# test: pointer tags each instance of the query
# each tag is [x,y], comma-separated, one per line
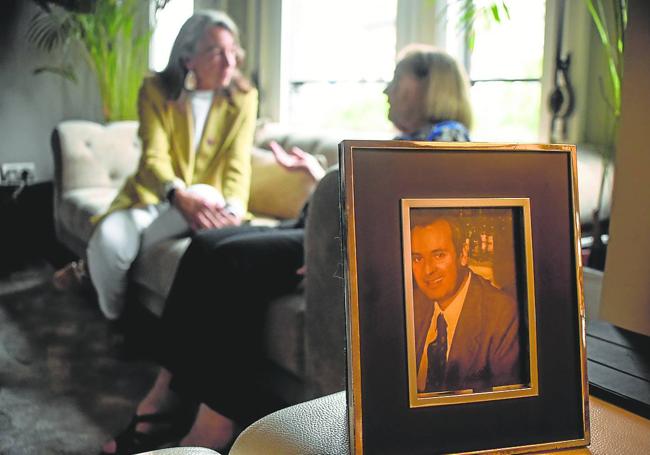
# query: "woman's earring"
[190,81]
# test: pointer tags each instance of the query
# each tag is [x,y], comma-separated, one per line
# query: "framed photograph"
[468,263]
[464,303]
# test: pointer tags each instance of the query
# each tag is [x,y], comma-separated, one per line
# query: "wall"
[31,105]
[260,23]
[211,4]
[626,288]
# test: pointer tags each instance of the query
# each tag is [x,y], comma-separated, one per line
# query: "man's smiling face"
[435,261]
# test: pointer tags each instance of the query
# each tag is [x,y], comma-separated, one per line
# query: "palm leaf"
[506,10]
[48,31]
[468,11]
[611,38]
[113,47]
[67,72]
[495,12]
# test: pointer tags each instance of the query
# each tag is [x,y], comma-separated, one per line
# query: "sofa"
[305,330]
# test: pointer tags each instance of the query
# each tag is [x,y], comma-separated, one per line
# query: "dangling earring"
[190,81]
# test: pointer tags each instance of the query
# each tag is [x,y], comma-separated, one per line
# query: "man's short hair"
[424,217]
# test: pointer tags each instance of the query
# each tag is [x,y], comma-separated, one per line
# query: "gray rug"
[65,385]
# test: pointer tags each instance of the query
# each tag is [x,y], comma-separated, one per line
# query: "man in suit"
[467,330]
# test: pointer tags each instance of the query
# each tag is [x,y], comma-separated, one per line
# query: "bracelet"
[170,195]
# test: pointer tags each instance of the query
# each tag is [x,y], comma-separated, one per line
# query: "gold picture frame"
[380,181]
[484,243]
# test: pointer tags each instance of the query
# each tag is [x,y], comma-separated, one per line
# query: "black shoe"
[167,430]
[72,277]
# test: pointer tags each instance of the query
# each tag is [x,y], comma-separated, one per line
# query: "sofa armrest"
[325,305]
[314,427]
[91,161]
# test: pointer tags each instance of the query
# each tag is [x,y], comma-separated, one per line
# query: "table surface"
[614,431]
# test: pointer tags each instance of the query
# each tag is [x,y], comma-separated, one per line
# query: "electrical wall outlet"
[17,173]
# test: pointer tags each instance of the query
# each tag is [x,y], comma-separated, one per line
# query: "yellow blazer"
[166,130]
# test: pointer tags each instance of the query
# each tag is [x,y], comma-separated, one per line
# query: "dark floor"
[66,383]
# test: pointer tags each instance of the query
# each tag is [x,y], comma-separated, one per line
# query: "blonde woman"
[429,96]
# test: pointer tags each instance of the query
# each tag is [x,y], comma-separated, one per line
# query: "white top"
[201,100]
[451,315]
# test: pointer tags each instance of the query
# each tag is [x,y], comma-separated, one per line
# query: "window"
[168,21]
[505,67]
[338,55]
[337,58]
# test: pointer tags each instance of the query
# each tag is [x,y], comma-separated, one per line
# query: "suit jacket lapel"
[465,343]
[423,312]
[183,127]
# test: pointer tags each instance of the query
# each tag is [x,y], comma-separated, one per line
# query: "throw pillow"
[275,191]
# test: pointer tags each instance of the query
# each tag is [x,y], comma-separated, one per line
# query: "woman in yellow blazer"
[197,120]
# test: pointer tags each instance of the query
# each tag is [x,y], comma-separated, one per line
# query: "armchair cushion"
[275,191]
[78,206]
[284,334]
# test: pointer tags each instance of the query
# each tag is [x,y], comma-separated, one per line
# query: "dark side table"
[618,361]
[27,228]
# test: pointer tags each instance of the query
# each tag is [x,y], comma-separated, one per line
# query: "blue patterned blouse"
[446,131]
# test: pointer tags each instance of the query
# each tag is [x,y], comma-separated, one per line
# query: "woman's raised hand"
[297,160]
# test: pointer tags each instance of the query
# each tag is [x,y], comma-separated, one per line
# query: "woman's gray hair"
[185,46]
[447,92]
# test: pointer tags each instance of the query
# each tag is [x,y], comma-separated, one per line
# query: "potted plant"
[610,20]
[113,42]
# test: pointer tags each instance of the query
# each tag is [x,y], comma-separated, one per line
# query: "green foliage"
[471,11]
[113,45]
[609,18]
[610,22]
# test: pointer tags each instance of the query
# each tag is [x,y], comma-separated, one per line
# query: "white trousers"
[119,238]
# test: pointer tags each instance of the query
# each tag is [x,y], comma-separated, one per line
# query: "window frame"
[416,21]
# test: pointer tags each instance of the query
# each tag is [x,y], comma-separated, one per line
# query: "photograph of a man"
[466,329]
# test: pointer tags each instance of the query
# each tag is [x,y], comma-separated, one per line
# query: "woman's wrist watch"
[170,190]
[170,195]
